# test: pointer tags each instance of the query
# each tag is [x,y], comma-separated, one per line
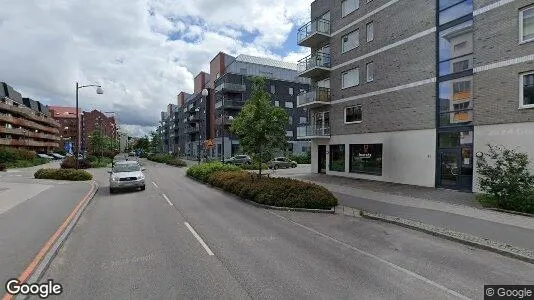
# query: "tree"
[98,141]
[156,142]
[260,126]
[143,144]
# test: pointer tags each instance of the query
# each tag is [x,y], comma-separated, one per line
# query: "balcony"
[27,123]
[231,87]
[317,97]
[313,132]
[226,121]
[314,33]
[28,113]
[229,104]
[316,66]
[26,133]
[27,143]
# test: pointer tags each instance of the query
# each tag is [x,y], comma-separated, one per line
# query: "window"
[370,31]
[303,120]
[370,71]
[289,104]
[290,120]
[291,91]
[366,158]
[353,114]
[527,90]
[452,10]
[289,133]
[526,27]
[337,158]
[460,46]
[276,103]
[350,41]
[350,78]
[348,6]
[460,66]
[273,89]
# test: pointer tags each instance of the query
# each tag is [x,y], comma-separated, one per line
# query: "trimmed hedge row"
[161,158]
[280,192]
[70,163]
[63,174]
[301,159]
[177,162]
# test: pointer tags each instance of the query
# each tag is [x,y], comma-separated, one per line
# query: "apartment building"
[96,120]
[196,119]
[26,123]
[68,128]
[412,91]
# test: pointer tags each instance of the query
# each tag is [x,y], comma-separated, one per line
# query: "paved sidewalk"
[444,208]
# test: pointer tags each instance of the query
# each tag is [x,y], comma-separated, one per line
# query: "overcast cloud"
[143,52]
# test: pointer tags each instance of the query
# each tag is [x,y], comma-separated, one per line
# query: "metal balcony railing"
[318,94]
[315,60]
[230,103]
[318,26]
[224,120]
[28,113]
[310,131]
[27,123]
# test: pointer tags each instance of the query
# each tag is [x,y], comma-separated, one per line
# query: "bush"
[255,166]
[202,171]
[70,163]
[177,162]
[301,159]
[505,178]
[63,174]
[27,163]
[101,162]
[161,158]
[3,167]
[280,192]
[10,155]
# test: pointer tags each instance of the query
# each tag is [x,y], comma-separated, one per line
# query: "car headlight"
[141,177]
[115,178]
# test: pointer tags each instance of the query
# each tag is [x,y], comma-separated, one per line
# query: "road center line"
[199,239]
[167,198]
[390,264]
[155,184]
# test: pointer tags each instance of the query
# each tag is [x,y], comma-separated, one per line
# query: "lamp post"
[205,94]
[99,91]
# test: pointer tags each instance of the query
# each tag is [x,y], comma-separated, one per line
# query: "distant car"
[282,162]
[239,160]
[126,175]
[57,156]
[131,153]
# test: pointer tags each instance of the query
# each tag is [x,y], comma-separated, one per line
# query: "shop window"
[366,158]
[337,158]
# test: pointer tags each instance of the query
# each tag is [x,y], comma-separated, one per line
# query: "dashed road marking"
[155,184]
[199,239]
[167,198]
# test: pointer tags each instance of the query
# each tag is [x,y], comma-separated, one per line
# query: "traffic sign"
[210,144]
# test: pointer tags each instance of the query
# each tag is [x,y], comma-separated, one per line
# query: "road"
[180,239]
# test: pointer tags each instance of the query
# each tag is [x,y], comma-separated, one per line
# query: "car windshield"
[126,168]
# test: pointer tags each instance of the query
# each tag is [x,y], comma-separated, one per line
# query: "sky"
[142,52]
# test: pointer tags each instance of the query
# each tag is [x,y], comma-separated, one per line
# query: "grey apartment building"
[413,91]
[196,118]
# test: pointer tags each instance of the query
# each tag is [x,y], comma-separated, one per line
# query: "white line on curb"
[199,239]
[168,201]
[392,265]
[155,184]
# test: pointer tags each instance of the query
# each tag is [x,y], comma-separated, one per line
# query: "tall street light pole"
[99,91]
[205,94]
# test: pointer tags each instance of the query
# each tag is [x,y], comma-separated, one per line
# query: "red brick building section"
[97,120]
[66,117]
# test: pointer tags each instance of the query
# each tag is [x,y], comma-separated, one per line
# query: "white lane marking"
[167,198]
[394,266]
[199,239]
[155,184]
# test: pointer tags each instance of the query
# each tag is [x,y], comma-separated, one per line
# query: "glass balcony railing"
[229,103]
[319,26]
[318,95]
[316,60]
[311,131]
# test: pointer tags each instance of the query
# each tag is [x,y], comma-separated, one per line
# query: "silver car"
[126,175]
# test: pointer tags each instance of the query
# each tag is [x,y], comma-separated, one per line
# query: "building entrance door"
[321,159]
[456,169]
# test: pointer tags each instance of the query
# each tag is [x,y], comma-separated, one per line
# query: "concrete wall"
[518,136]
[408,156]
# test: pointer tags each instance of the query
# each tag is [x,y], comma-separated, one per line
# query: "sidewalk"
[444,208]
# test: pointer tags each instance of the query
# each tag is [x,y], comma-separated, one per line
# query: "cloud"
[143,52]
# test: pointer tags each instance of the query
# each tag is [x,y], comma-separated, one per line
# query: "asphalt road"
[148,245]
[30,213]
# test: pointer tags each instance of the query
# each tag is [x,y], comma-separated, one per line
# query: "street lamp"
[205,94]
[99,91]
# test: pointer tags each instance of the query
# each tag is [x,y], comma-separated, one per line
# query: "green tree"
[156,142]
[260,126]
[98,142]
[143,144]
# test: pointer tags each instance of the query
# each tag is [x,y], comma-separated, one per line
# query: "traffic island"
[275,193]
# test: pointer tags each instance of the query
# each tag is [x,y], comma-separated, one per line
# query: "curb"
[52,252]
[308,210]
[510,212]
[463,238]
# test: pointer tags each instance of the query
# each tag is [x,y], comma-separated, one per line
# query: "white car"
[126,175]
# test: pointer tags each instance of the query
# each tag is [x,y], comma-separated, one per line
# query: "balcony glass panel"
[312,27]
[316,95]
[315,60]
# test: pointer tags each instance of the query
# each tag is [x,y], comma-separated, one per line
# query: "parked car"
[239,160]
[282,162]
[131,153]
[57,156]
[126,175]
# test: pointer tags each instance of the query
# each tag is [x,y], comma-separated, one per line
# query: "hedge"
[254,166]
[301,159]
[161,158]
[177,162]
[63,174]
[3,167]
[280,192]
[70,163]
[19,158]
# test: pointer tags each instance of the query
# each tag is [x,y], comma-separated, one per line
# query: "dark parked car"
[282,162]
[239,160]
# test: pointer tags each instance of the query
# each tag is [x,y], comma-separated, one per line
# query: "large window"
[350,78]
[456,49]
[451,10]
[527,90]
[366,158]
[455,102]
[350,41]
[337,158]
[348,6]
[526,27]
[370,31]
[353,114]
